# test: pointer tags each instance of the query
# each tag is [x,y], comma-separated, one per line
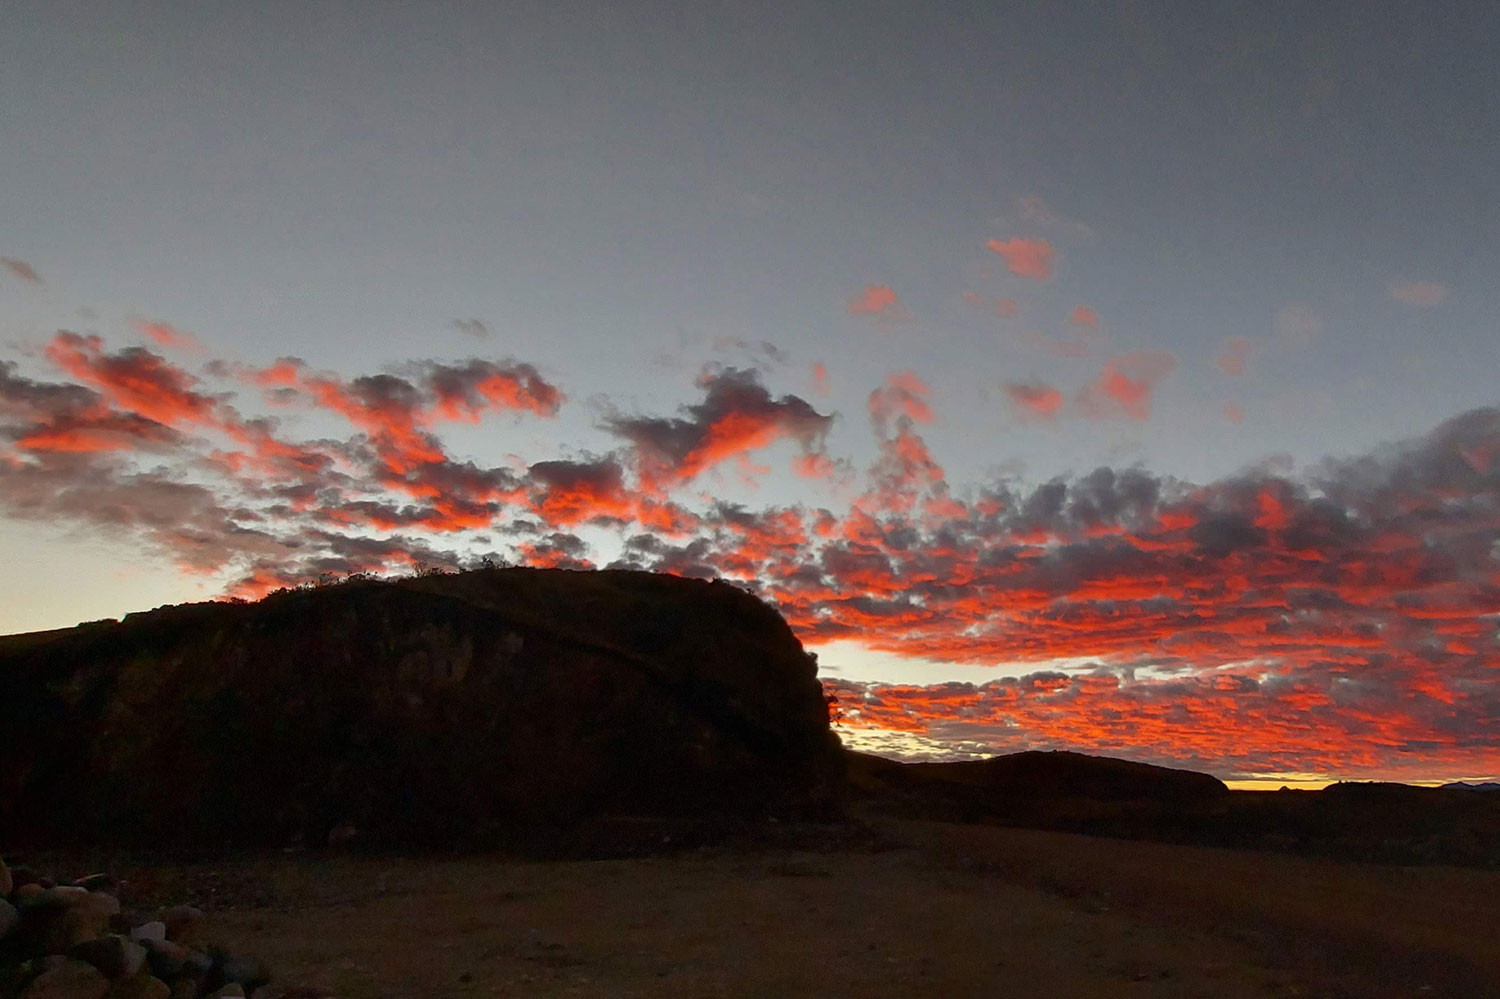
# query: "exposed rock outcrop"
[443,709]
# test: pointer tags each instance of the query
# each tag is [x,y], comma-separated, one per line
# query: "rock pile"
[76,941]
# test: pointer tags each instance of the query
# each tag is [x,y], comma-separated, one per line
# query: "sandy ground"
[950,911]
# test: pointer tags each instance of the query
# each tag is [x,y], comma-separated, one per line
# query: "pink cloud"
[1005,308]
[1124,387]
[820,378]
[1231,360]
[167,336]
[21,269]
[879,300]
[903,394]
[1234,412]
[1034,400]
[1421,293]
[1028,258]
[1084,316]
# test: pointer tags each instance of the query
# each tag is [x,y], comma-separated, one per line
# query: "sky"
[1110,377]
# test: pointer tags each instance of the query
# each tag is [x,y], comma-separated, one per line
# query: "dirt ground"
[940,911]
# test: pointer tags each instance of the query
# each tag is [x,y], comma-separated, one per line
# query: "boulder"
[113,955]
[140,987]
[71,979]
[154,930]
[7,883]
[165,958]
[468,708]
[10,918]
[183,924]
[97,882]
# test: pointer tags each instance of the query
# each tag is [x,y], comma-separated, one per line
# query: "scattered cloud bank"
[1027,258]
[1340,620]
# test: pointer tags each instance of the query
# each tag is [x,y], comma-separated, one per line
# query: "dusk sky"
[1107,377]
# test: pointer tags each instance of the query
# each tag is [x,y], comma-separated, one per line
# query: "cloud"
[902,395]
[1028,258]
[134,379]
[1005,308]
[1036,211]
[1124,388]
[167,336]
[467,390]
[1231,359]
[1084,316]
[472,327]
[1234,412]
[21,269]
[736,417]
[1297,325]
[820,378]
[879,301]
[1421,293]
[1034,400]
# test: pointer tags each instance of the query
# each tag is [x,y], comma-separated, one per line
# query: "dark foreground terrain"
[901,909]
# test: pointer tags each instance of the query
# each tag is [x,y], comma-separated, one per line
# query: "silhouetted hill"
[1374,821]
[456,708]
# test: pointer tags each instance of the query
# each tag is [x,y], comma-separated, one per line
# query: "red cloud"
[879,300]
[820,378]
[134,379]
[1232,359]
[903,395]
[1124,387]
[1028,258]
[737,416]
[21,269]
[167,336]
[1084,316]
[1034,400]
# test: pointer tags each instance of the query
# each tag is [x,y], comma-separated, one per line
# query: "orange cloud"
[902,395]
[1034,400]
[1028,258]
[1005,308]
[1084,316]
[1234,412]
[820,378]
[1124,387]
[880,301]
[167,336]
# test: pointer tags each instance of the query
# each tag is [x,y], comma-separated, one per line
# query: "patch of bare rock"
[76,941]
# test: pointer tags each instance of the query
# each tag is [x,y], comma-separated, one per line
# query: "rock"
[22,875]
[185,988]
[70,891]
[113,955]
[232,989]
[140,987]
[65,919]
[7,883]
[10,918]
[30,890]
[184,923]
[197,964]
[72,979]
[165,958]
[660,696]
[96,882]
[154,930]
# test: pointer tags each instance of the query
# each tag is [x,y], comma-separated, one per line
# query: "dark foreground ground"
[914,909]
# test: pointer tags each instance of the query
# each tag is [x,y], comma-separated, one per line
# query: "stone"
[96,882]
[22,875]
[185,988]
[10,918]
[140,987]
[30,890]
[197,964]
[70,980]
[7,883]
[113,955]
[184,924]
[165,958]
[154,930]
[70,918]
[232,989]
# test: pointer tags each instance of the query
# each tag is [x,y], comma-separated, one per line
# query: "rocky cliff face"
[444,709]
